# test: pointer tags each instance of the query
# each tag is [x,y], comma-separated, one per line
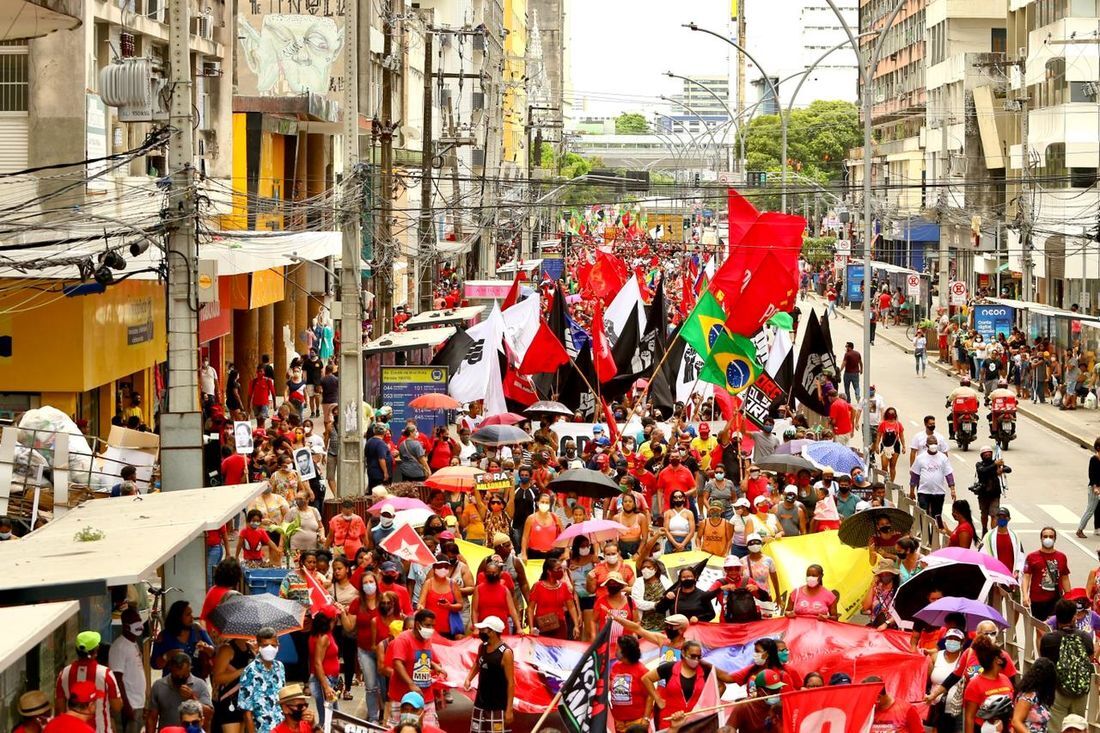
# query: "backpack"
[1073,670]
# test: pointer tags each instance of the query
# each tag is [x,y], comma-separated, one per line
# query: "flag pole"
[645,392]
[546,713]
[588,384]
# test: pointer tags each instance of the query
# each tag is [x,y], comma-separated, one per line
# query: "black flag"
[815,359]
[452,352]
[551,383]
[574,392]
[584,704]
[627,361]
[662,392]
[654,340]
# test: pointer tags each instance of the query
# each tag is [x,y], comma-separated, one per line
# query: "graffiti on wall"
[291,54]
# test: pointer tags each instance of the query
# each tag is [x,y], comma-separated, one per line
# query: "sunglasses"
[887,528]
[693,656]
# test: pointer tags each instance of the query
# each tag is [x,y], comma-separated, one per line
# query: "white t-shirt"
[933,470]
[919,443]
[125,659]
[874,409]
[208,380]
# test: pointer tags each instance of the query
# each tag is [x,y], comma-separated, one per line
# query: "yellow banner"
[847,570]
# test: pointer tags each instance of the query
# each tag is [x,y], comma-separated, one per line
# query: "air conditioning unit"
[203,27]
[211,68]
[479,100]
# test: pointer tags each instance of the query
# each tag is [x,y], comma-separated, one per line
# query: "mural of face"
[298,48]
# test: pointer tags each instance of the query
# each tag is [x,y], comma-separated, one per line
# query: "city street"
[1049,473]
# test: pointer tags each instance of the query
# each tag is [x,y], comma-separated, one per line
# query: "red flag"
[821,708]
[612,426]
[771,287]
[601,347]
[545,354]
[406,544]
[639,275]
[724,400]
[605,278]
[318,598]
[687,293]
[519,388]
[513,293]
[753,236]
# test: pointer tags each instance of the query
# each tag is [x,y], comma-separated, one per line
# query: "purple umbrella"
[974,611]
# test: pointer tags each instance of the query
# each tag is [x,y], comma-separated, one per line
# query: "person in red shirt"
[549,600]
[234,467]
[297,717]
[85,668]
[252,540]
[672,478]
[493,598]
[34,709]
[227,577]
[630,701]
[81,711]
[992,681]
[261,395]
[390,584]
[840,417]
[894,716]
[755,484]
[442,450]
[347,531]
[413,662]
[1046,576]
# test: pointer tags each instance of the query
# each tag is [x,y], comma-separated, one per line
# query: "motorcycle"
[964,419]
[1002,420]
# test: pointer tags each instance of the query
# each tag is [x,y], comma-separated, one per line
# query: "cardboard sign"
[495,481]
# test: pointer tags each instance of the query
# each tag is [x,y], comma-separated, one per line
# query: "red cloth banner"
[824,709]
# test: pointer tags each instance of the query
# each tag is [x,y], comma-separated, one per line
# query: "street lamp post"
[691,142]
[867,81]
[706,128]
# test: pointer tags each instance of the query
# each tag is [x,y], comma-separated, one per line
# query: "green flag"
[732,363]
[705,323]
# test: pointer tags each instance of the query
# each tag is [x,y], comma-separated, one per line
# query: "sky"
[619,50]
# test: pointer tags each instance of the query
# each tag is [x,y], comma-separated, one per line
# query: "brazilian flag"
[732,363]
[705,324]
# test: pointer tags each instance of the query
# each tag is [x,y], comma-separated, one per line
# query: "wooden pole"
[645,393]
[546,713]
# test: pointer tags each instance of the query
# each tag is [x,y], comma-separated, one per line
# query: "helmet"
[964,382]
[996,707]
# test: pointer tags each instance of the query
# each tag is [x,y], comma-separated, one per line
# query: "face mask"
[611,559]
[494,577]
[193,728]
[525,479]
[484,636]
[672,633]
[812,581]
[691,663]
[768,428]
[386,522]
[763,507]
[677,502]
[1048,542]
[719,475]
[772,700]
[544,507]
[784,655]
[585,551]
[674,460]
[789,498]
[758,659]
[426,634]
[933,449]
[296,714]
[268,653]
[388,578]
[137,628]
[614,590]
[442,572]
[1002,522]
[179,682]
[688,583]
[370,588]
[385,609]
[755,547]
[254,525]
[952,645]
[754,474]
[648,573]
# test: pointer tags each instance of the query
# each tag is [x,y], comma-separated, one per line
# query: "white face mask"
[370,588]
[386,522]
[812,581]
[442,572]
[611,559]
[1048,542]
[755,547]
[933,449]
[426,634]
[691,663]
[543,506]
[585,551]
[648,573]
[137,628]
[758,658]
[268,653]
[719,475]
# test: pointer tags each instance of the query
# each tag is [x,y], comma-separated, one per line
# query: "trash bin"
[264,580]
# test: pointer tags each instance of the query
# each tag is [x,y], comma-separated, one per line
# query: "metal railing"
[1021,636]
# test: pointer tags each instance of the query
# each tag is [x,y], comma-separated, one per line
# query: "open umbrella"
[793,447]
[495,435]
[786,464]
[435,401]
[548,407]
[974,611]
[998,572]
[415,517]
[827,454]
[504,418]
[857,530]
[960,580]
[598,530]
[240,617]
[586,482]
[399,503]
[453,478]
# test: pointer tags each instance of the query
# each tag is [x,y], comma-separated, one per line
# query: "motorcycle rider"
[964,390]
[1002,390]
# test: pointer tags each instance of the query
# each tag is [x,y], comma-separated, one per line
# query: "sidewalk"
[1080,426]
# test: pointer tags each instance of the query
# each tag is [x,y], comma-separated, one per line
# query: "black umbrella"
[243,616]
[785,463]
[495,435]
[857,530]
[959,580]
[548,407]
[586,482]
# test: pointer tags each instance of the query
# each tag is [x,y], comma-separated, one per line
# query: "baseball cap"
[500,538]
[839,678]
[985,449]
[450,520]
[413,698]
[597,429]
[955,634]
[677,619]
[770,679]
[1074,722]
[493,623]
[731,561]
[754,537]
[379,491]
[790,489]
[84,692]
[446,535]
[389,567]
[388,511]
[603,440]
[826,471]
[762,499]
[742,502]
[87,641]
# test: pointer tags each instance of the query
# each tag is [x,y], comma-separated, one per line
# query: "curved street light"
[706,128]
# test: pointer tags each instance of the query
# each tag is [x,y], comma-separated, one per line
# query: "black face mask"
[687,584]
[389,579]
[178,682]
[296,713]
[492,578]
[672,633]
[385,608]
[484,636]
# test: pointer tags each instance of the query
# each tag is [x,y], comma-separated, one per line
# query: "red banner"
[824,709]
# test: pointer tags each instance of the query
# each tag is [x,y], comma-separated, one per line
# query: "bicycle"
[156,609]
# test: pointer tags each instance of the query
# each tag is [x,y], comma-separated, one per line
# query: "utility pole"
[385,228]
[424,277]
[741,75]
[350,475]
[181,422]
[1025,208]
[945,252]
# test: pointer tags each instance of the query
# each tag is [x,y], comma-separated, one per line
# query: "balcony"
[23,19]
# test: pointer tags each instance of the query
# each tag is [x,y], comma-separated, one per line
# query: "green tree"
[818,140]
[818,250]
[631,123]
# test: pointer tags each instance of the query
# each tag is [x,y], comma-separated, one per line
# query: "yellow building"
[515,94]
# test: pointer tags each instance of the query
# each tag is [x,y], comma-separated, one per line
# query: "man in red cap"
[80,710]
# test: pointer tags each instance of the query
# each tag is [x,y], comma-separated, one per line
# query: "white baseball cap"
[388,511]
[493,623]
[742,502]
[754,537]
[731,561]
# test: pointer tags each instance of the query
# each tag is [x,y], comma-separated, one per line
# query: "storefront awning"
[405,340]
[140,533]
[29,625]
[450,316]
[915,230]
[524,266]
[887,267]
[1042,309]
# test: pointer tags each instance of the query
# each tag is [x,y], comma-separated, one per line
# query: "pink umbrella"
[399,503]
[597,530]
[998,573]
[504,418]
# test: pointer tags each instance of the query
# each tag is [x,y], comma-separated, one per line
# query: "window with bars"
[13,76]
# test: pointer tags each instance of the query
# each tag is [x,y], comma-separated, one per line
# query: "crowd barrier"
[1020,640]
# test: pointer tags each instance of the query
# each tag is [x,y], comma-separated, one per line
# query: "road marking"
[1017,516]
[1061,514]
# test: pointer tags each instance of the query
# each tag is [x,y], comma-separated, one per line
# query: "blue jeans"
[319,696]
[214,556]
[922,361]
[851,380]
[368,664]
[1090,509]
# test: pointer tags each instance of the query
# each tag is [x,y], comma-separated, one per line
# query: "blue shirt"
[377,449]
[259,693]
